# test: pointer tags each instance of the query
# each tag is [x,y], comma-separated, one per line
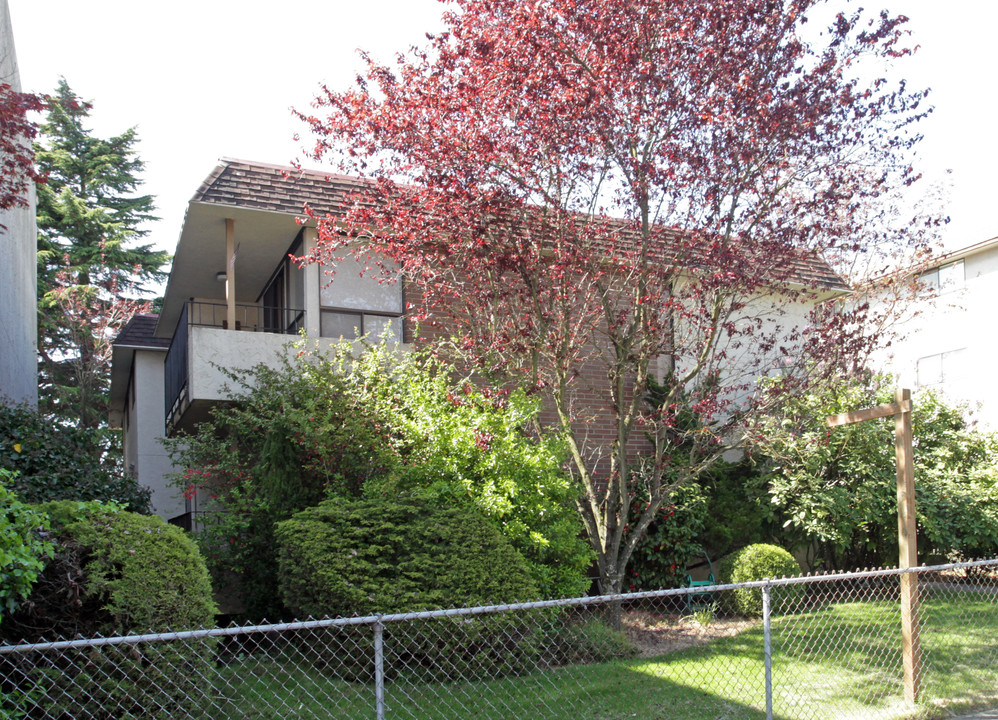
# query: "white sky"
[216,78]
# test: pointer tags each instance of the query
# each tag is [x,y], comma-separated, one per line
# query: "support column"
[313,278]
[230,273]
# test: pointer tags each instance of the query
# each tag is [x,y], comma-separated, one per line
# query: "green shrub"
[759,562]
[295,437]
[739,510]
[22,547]
[589,642]
[464,648]
[366,556]
[151,573]
[457,441]
[835,490]
[57,462]
[503,644]
[378,425]
[113,572]
[670,542]
[433,650]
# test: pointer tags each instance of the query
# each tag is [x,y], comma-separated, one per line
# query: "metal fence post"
[767,647]
[379,668]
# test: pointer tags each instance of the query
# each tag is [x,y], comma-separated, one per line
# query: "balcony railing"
[175,372]
[249,318]
[254,318]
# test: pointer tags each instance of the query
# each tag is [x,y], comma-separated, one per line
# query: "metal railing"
[175,369]
[825,646]
[249,318]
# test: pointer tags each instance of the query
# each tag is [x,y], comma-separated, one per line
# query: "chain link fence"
[827,646]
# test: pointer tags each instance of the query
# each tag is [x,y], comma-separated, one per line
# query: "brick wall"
[595,423]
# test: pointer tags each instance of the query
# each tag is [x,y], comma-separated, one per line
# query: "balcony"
[204,348]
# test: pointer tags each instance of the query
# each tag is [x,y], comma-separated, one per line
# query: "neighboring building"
[950,343]
[18,243]
[234,297]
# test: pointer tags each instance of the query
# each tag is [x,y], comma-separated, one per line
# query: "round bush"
[759,562]
[113,572]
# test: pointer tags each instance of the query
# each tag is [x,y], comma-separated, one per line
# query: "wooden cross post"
[910,632]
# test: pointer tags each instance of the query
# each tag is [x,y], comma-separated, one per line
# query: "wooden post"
[908,549]
[230,273]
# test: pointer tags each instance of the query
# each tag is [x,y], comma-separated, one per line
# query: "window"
[358,300]
[944,278]
[351,325]
[940,370]
[284,297]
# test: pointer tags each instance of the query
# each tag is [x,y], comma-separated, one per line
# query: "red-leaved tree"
[17,157]
[590,196]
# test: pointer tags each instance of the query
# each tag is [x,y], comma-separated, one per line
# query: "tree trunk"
[610,584]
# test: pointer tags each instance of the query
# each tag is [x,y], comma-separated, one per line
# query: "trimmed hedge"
[462,648]
[367,556]
[759,562]
[114,572]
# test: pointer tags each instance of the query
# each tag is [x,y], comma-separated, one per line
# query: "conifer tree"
[91,267]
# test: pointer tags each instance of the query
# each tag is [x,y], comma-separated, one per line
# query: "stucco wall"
[768,341]
[18,360]
[212,351]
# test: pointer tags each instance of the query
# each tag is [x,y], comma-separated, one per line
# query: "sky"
[207,79]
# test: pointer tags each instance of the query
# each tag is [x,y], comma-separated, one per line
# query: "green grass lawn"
[841,661]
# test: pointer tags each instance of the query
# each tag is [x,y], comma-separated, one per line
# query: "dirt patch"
[660,634]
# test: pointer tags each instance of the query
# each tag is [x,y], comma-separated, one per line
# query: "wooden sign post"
[910,635]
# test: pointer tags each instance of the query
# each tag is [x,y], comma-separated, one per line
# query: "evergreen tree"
[90,267]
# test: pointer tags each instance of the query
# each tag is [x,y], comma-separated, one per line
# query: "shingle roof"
[273,188]
[285,190]
[816,273]
[138,333]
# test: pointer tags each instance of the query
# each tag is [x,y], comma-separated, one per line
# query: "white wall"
[738,360]
[212,351]
[959,325]
[144,430]
[18,358]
